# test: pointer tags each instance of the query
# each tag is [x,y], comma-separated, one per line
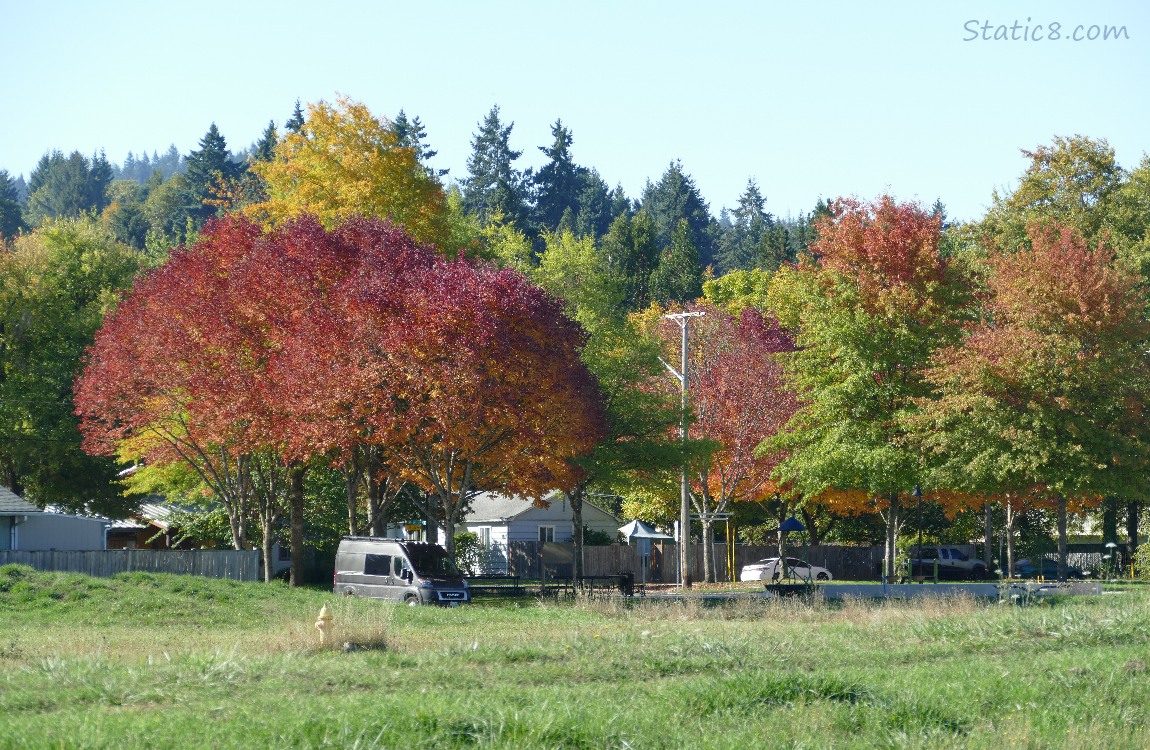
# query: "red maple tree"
[739,397]
[351,343]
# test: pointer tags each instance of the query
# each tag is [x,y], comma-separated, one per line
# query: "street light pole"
[684,487]
[918,493]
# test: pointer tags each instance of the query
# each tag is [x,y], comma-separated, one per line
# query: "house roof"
[492,507]
[12,504]
[156,514]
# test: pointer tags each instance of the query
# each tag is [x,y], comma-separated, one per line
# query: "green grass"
[167,661]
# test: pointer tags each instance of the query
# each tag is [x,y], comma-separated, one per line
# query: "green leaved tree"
[56,284]
[866,317]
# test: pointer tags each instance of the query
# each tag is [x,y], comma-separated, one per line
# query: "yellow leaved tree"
[346,162]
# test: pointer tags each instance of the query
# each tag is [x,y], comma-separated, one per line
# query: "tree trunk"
[781,543]
[351,488]
[708,549]
[576,499]
[1110,520]
[1009,531]
[988,542]
[813,531]
[1133,510]
[1062,539]
[295,501]
[377,506]
[449,533]
[891,552]
[235,526]
[268,543]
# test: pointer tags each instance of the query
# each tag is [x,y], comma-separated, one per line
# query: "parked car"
[951,563]
[769,569]
[1045,568]
[398,571]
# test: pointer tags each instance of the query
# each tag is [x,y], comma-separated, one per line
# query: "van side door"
[402,574]
[377,575]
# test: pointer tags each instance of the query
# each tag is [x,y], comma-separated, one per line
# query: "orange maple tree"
[1045,397]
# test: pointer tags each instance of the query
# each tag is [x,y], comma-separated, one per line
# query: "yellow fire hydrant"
[323,624]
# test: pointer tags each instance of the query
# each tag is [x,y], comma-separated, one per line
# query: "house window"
[484,533]
[546,533]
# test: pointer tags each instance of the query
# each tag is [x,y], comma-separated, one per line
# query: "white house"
[499,520]
[23,526]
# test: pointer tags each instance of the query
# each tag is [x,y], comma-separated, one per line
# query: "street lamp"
[683,319]
[917,492]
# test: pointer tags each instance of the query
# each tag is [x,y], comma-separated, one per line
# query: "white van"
[398,571]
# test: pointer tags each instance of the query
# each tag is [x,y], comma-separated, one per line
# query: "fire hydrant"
[323,624]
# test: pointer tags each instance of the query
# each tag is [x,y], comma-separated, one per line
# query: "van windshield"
[432,561]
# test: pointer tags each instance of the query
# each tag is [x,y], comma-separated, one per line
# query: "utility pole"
[683,320]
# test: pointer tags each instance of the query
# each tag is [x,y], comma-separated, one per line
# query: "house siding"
[524,526]
[57,531]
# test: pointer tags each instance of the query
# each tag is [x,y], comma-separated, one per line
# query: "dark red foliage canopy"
[307,341]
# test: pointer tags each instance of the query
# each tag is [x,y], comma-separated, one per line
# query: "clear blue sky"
[811,99]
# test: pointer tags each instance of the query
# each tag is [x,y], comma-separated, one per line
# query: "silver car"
[769,570]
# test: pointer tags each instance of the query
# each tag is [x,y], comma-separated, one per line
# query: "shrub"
[468,552]
[1141,562]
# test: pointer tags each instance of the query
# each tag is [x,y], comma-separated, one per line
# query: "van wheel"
[411,600]
[821,577]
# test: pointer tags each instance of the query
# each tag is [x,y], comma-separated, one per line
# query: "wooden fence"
[531,559]
[236,565]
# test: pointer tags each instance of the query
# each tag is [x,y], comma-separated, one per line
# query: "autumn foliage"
[346,162]
[1057,367]
[307,342]
[889,250]
[737,397]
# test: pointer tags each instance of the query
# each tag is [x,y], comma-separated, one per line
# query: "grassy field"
[154,661]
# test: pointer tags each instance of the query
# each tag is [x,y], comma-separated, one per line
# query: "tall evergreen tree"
[100,177]
[493,186]
[67,186]
[11,221]
[679,276]
[265,147]
[740,243]
[295,123]
[594,216]
[128,170]
[172,162]
[558,182]
[775,247]
[208,166]
[412,135]
[673,198]
[620,203]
